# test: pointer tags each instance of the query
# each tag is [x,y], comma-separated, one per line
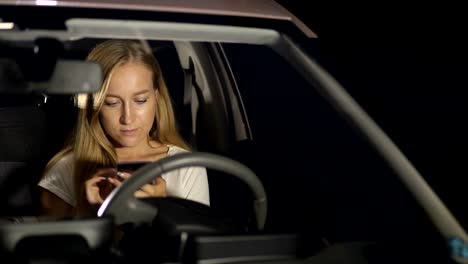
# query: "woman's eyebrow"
[136,93]
[141,92]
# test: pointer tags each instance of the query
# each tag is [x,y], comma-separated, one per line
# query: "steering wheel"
[122,205]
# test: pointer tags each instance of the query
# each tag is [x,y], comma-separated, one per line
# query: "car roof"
[262,9]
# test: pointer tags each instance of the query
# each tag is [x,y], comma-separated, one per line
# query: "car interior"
[285,210]
[35,126]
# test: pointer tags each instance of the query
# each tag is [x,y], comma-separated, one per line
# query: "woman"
[129,119]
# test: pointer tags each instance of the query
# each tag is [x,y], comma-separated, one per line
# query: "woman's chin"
[127,143]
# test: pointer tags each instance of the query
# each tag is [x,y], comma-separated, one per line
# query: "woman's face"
[128,112]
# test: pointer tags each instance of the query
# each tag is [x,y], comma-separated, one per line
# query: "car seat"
[22,144]
[32,129]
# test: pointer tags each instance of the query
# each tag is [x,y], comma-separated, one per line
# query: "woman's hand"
[155,189]
[100,185]
[104,181]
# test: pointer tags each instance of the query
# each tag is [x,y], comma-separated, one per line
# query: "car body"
[246,85]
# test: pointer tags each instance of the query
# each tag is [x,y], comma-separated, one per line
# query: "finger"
[94,200]
[152,190]
[106,172]
[141,194]
[99,199]
[148,188]
[114,182]
[158,190]
[160,180]
[94,181]
[123,175]
[92,190]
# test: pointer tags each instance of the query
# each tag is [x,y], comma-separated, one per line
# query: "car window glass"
[310,158]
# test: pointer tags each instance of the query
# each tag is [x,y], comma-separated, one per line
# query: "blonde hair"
[91,147]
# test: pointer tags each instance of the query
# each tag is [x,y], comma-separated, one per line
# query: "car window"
[319,174]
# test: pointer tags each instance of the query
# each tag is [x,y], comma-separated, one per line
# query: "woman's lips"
[129,132]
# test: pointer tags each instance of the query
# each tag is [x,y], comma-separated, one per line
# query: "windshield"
[251,94]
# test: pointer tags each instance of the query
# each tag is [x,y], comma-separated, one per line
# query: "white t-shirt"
[188,183]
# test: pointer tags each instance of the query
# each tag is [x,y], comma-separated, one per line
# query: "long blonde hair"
[91,147]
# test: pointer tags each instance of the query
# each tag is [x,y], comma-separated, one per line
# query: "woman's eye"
[111,103]
[141,101]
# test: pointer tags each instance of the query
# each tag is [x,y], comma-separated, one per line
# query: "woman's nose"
[127,114]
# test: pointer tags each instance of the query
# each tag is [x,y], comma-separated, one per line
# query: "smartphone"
[105,187]
[130,167]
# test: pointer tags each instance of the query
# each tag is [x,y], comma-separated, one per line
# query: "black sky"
[407,66]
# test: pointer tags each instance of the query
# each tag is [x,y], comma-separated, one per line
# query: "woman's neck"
[144,152]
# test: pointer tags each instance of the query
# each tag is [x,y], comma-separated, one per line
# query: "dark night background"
[407,67]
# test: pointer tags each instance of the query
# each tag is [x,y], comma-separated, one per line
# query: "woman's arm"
[196,186]
[52,205]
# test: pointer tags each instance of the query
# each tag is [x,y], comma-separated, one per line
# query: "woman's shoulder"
[61,162]
[66,158]
[173,150]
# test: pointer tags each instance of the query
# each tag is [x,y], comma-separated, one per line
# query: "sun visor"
[39,66]
[67,77]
